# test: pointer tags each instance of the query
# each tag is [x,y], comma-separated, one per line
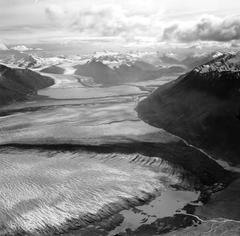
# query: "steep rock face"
[17,84]
[202,106]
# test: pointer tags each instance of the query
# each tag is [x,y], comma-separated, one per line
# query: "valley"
[78,158]
[119,118]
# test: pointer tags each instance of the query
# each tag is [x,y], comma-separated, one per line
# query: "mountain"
[145,65]
[188,60]
[124,73]
[202,106]
[100,72]
[172,70]
[169,58]
[19,59]
[114,59]
[53,70]
[198,59]
[137,71]
[15,58]
[18,84]
[25,60]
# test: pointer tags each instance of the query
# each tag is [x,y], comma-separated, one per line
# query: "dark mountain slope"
[125,73]
[53,70]
[17,84]
[202,106]
[101,73]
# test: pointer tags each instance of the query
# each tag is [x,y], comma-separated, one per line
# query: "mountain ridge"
[17,84]
[203,108]
[130,72]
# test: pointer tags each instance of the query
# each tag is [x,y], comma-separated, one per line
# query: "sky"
[124,22]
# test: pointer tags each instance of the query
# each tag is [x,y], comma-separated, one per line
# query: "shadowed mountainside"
[17,84]
[202,106]
[53,70]
[133,72]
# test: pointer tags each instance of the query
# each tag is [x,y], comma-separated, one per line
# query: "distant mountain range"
[202,106]
[111,59]
[19,59]
[129,72]
[189,61]
[18,84]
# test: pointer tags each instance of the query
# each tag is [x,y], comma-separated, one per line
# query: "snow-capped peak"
[217,54]
[222,62]
[114,59]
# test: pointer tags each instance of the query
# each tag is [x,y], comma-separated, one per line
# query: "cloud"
[23,48]
[235,44]
[208,28]
[55,13]
[104,20]
[134,26]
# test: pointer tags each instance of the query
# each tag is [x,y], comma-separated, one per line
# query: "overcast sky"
[126,21]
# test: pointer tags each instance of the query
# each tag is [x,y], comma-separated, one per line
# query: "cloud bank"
[115,21]
[208,28]
[106,20]
[126,23]
[23,48]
